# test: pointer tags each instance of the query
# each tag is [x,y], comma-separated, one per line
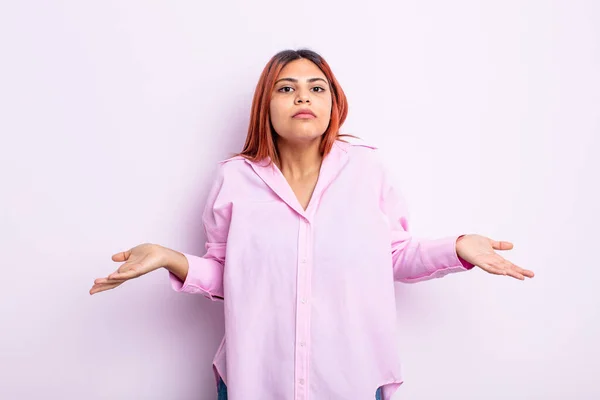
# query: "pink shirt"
[310,311]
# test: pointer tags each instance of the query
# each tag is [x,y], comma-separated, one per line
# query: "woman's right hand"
[138,261]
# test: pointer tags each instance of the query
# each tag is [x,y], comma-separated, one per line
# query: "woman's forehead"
[301,69]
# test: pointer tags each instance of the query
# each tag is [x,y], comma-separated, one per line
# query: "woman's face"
[301,86]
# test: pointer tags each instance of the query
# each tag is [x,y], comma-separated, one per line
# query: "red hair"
[260,141]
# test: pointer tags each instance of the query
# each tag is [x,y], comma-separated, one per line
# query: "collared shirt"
[309,302]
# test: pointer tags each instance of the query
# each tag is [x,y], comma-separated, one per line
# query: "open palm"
[138,261]
[479,251]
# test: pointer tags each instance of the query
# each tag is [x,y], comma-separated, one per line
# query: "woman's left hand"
[479,251]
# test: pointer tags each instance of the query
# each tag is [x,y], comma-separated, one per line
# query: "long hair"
[260,141]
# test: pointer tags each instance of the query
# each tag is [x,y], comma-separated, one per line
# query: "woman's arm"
[193,274]
[187,272]
[416,259]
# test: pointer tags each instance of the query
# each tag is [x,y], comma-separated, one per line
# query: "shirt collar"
[331,166]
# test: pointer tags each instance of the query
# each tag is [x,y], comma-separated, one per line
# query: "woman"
[306,236]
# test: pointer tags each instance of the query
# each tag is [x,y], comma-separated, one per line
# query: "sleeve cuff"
[439,259]
[204,277]
[466,265]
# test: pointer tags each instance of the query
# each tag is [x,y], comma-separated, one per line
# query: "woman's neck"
[299,160]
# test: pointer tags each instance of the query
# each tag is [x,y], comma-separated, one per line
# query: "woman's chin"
[302,137]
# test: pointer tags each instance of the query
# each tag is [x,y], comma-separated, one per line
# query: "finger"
[528,273]
[103,287]
[495,262]
[106,280]
[521,273]
[124,275]
[501,245]
[524,272]
[505,266]
[122,256]
[492,269]
[514,274]
[124,271]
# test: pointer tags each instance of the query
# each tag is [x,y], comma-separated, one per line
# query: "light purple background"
[114,114]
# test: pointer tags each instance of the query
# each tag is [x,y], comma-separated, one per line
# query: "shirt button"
[303,301]
[301,381]
[302,344]
[303,261]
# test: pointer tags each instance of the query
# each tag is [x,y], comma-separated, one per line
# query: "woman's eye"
[288,89]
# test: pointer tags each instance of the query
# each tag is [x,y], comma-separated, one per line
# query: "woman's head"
[291,82]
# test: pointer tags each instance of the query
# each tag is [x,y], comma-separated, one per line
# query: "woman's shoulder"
[235,159]
[351,143]
[229,170]
[362,151]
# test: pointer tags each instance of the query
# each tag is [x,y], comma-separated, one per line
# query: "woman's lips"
[304,116]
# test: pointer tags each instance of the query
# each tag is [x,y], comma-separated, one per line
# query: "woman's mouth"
[304,116]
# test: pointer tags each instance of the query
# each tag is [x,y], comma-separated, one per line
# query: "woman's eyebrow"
[309,80]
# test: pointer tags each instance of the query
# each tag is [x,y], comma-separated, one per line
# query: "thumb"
[122,256]
[501,245]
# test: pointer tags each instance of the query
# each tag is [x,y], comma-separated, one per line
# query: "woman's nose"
[302,98]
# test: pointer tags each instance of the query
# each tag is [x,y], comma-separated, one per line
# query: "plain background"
[114,114]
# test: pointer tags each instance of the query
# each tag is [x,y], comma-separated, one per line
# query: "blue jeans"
[222,391]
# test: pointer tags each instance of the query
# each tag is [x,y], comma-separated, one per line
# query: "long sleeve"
[416,259]
[205,274]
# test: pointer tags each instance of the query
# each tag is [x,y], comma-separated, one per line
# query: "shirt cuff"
[465,264]
[203,277]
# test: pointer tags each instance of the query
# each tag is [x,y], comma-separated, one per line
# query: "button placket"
[303,311]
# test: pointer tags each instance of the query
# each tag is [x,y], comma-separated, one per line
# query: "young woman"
[306,236]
